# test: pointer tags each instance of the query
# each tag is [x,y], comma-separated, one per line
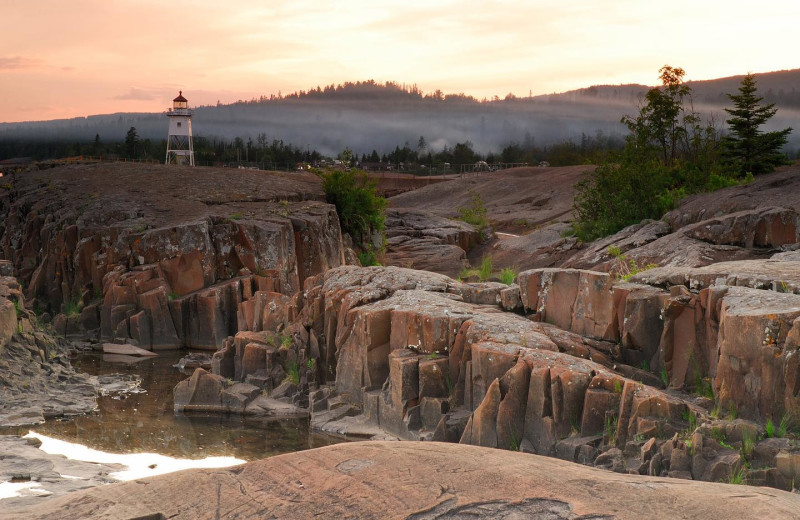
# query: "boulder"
[423,240]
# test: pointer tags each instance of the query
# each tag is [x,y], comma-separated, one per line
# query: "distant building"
[180,148]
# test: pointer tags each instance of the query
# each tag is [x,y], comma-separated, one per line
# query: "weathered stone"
[8,322]
[511,411]
[481,429]
[487,293]
[510,299]
[757,370]
[434,377]
[201,392]
[574,300]
[432,411]
[422,240]
[640,321]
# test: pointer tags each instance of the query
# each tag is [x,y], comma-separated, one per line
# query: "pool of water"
[146,422]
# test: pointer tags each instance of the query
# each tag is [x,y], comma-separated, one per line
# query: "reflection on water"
[135,465]
[146,423]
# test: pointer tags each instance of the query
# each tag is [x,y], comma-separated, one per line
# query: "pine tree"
[131,140]
[746,146]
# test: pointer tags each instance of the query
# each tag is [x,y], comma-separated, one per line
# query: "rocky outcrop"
[595,366]
[517,199]
[746,222]
[37,381]
[548,246]
[422,240]
[414,481]
[138,254]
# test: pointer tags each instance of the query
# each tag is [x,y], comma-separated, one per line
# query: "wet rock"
[50,475]
[37,380]
[194,360]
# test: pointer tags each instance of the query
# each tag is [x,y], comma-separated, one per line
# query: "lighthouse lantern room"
[180,149]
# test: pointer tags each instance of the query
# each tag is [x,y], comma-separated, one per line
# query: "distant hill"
[367,115]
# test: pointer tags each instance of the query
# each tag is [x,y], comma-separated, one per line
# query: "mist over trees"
[366,116]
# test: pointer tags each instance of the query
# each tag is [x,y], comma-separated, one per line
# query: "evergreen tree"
[131,140]
[747,147]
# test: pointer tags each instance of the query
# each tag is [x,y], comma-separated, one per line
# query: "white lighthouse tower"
[180,149]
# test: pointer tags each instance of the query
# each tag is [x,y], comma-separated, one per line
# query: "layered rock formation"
[581,377]
[413,481]
[145,255]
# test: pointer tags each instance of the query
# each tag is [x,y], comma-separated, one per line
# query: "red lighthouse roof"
[180,97]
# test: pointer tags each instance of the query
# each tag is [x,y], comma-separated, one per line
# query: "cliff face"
[162,256]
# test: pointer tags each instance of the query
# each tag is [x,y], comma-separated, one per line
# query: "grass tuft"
[507,276]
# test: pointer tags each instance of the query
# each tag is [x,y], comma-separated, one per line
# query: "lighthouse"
[180,149]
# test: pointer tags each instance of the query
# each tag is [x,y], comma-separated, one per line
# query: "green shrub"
[718,182]
[748,444]
[624,268]
[738,475]
[368,257]
[485,271]
[733,413]
[293,372]
[358,204]
[475,212]
[770,428]
[466,272]
[73,307]
[616,195]
[610,429]
[507,276]
[788,424]
[691,422]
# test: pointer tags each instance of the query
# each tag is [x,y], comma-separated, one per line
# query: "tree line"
[267,153]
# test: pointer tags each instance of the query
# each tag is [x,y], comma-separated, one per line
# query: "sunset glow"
[64,59]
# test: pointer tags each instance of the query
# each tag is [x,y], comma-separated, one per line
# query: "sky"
[62,59]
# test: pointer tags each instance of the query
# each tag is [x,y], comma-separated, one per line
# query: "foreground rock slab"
[414,480]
